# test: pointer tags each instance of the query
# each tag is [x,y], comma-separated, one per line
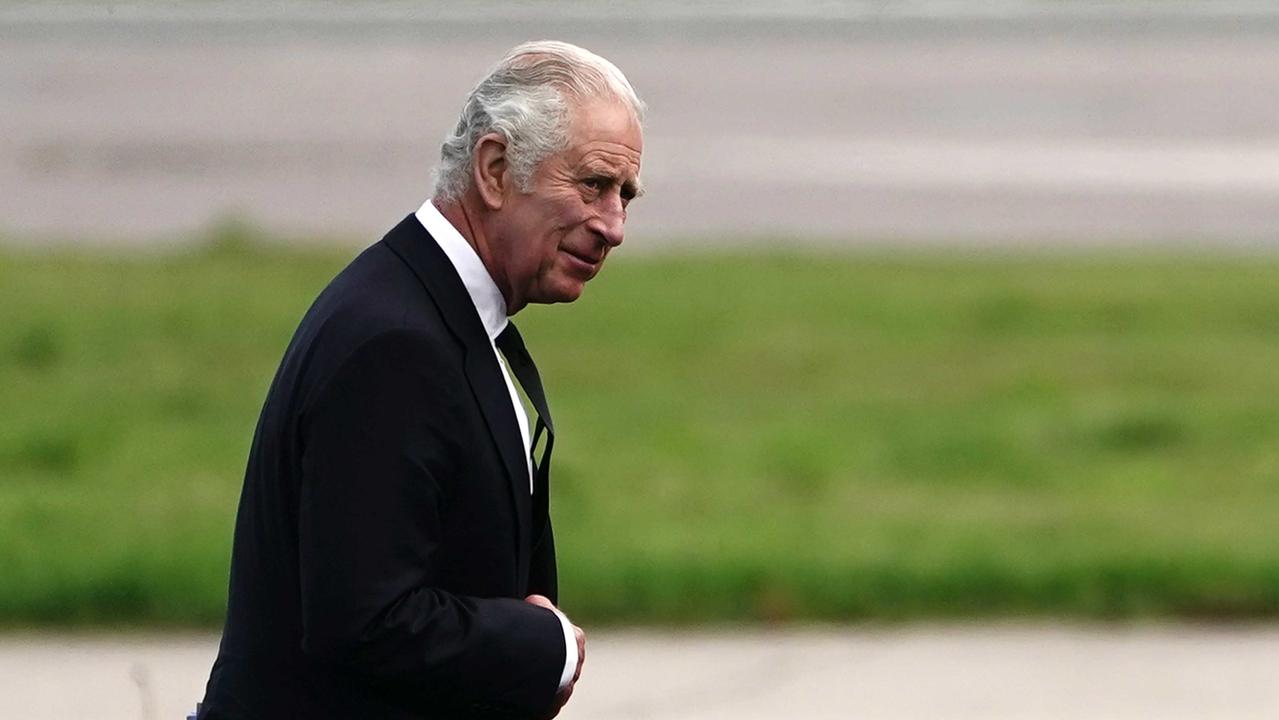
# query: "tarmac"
[1012,123]
[947,672]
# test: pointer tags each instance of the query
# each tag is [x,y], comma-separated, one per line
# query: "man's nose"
[611,219]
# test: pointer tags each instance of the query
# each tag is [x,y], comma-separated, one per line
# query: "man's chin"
[571,294]
[565,291]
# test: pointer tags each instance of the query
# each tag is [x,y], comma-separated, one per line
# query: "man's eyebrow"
[605,171]
[634,187]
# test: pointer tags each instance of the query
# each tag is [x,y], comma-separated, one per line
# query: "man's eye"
[595,183]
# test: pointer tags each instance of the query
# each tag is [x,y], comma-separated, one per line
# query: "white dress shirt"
[491,307]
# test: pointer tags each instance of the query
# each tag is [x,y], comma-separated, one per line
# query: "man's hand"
[567,692]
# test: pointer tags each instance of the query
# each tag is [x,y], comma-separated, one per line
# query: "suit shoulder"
[377,291]
[376,300]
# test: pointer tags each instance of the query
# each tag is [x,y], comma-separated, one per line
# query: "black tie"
[521,363]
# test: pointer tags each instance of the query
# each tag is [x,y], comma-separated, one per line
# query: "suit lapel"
[415,246]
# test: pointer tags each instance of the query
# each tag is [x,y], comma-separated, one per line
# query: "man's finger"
[581,652]
[540,601]
[561,700]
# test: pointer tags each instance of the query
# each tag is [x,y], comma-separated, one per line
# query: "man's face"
[552,240]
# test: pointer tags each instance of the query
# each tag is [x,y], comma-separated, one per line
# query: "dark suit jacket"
[385,536]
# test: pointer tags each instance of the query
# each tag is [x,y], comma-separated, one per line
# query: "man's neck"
[463,216]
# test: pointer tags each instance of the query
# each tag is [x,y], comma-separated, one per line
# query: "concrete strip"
[965,672]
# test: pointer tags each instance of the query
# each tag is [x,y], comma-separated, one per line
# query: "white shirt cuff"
[570,650]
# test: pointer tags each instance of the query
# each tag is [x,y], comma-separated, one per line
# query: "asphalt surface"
[990,123]
[943,673]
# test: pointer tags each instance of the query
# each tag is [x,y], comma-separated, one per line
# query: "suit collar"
[485,295]
[419,250]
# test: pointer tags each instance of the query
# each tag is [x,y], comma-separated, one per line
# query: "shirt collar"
[484,293]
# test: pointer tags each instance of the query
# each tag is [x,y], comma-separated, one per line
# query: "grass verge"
[836,437]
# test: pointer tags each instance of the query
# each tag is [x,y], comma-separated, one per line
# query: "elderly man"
[393,552]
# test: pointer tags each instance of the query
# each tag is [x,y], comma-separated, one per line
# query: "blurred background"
[935,377]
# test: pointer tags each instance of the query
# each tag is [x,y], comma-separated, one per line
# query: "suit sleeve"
[375,440]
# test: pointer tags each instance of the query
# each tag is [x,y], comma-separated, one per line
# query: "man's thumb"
[540,601]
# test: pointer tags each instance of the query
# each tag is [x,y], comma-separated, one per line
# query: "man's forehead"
[605,137]
[608,121]
[608,156]
[617,161]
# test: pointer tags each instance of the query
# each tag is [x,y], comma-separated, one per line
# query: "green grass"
[785,436]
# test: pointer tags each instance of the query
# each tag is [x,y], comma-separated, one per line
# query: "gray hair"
[528,98]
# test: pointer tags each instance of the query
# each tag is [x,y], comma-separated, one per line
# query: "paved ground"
[939,673]
[998,122]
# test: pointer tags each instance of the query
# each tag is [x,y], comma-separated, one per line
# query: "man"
[393,552]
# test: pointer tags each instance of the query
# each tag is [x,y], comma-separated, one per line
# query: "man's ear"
[489,167]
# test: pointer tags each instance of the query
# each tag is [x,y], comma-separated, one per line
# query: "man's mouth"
[587,262]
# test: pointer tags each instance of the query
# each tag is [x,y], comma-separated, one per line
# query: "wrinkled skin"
[543,246]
